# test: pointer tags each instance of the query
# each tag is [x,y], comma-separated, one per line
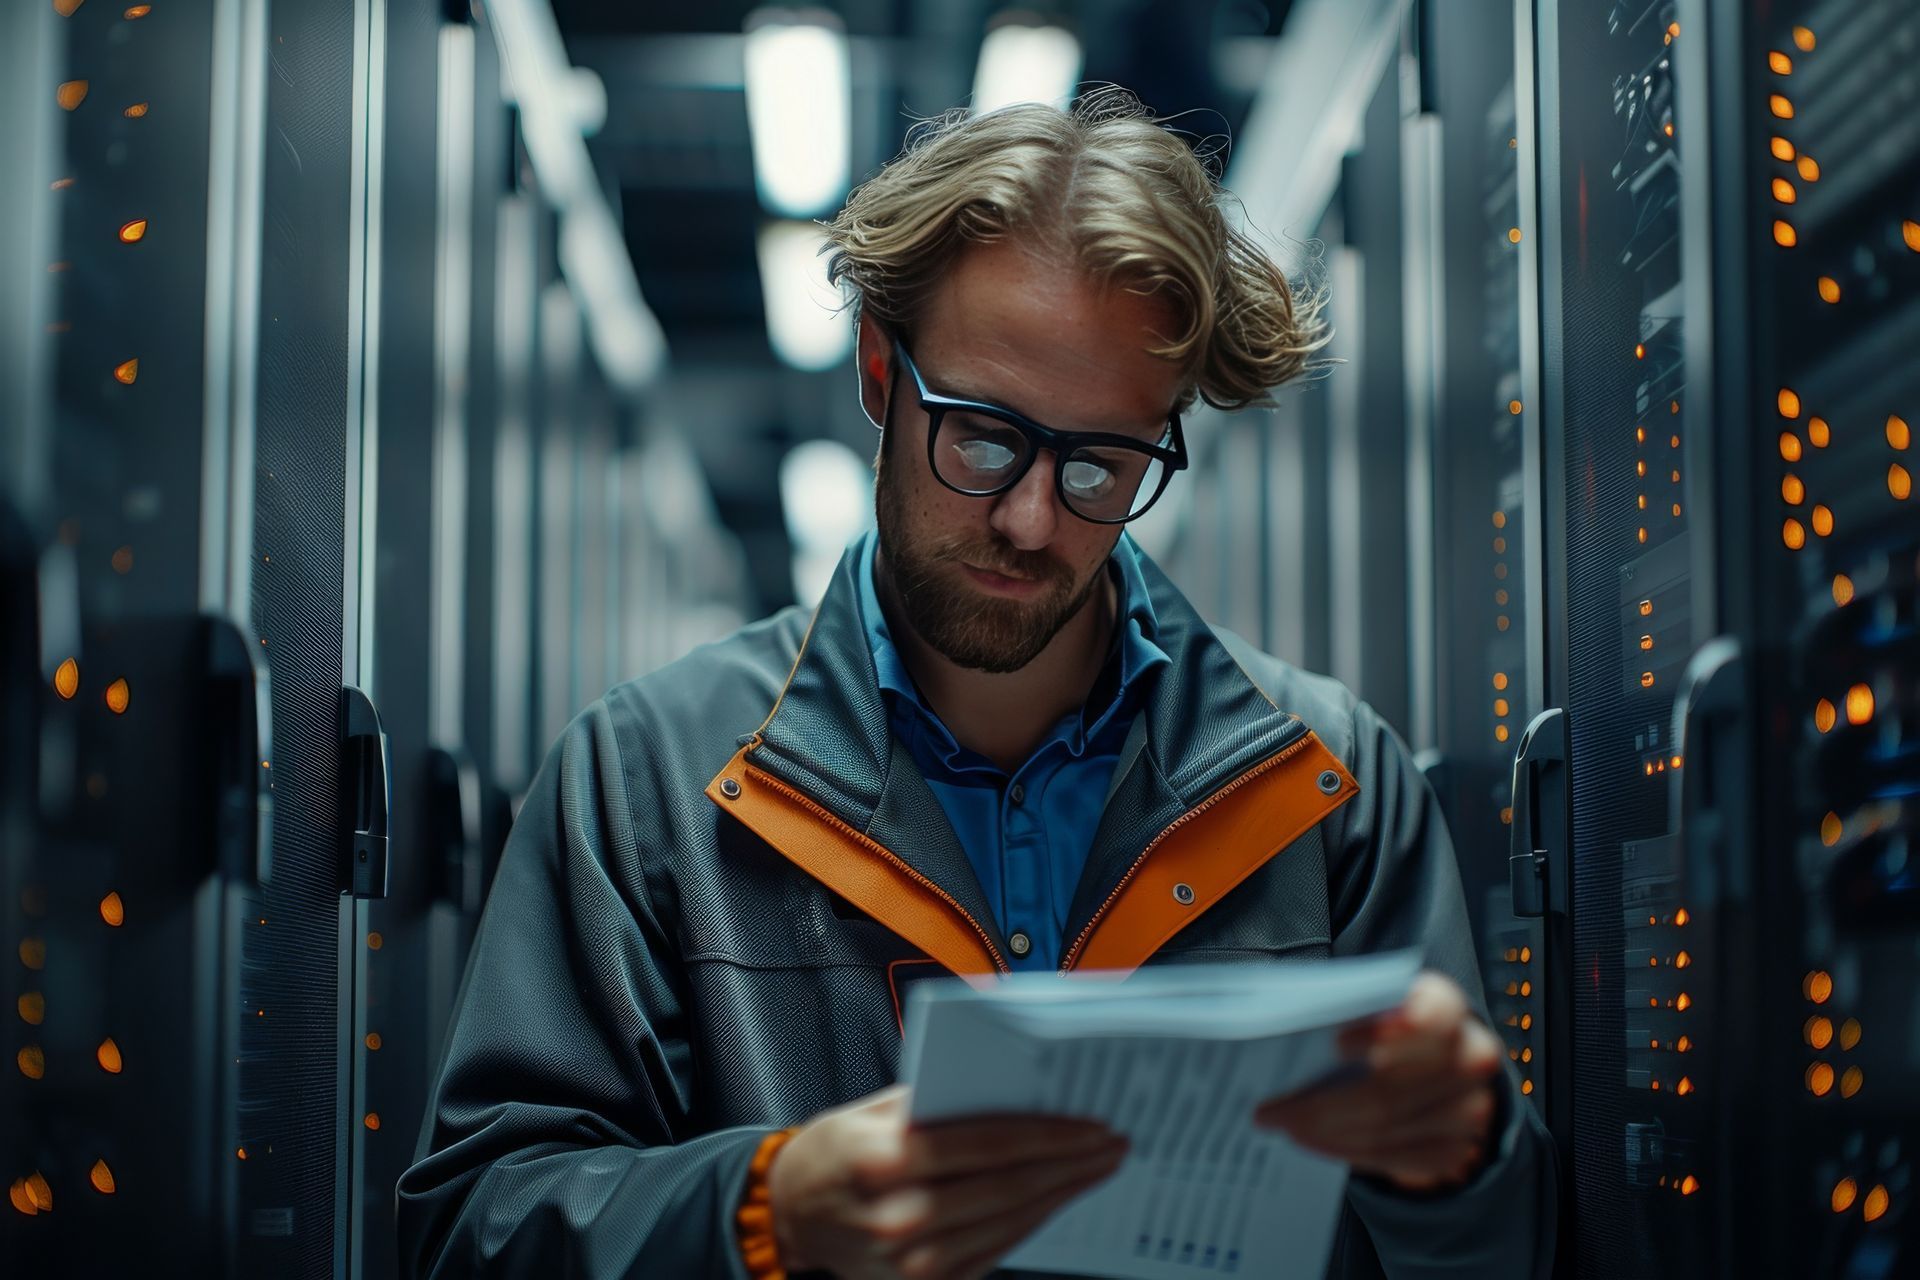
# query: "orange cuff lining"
[758,1248]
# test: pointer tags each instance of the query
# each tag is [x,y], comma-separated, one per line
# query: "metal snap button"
[1329,782]
[1018,794]
[1020,943]
[1183,894]
[729,788]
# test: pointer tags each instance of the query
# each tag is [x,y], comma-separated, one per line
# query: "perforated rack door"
[297,944]
[1621,485]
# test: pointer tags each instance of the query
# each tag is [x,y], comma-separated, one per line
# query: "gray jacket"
[728,870]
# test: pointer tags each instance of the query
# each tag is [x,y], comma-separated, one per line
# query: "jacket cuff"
[759,1250]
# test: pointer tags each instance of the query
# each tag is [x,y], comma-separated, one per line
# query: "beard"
[966,626]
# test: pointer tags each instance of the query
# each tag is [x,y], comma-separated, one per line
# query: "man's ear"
[873,360]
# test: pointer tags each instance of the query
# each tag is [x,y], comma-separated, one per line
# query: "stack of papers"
[1176,1058]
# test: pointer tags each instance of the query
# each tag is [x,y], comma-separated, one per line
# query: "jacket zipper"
[826,815]
[1271,762]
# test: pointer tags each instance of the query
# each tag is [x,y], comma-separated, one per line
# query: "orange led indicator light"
[1803,39]
[101,1177]
[108,1056]
[1784,235]
[66,679]
[112,910]
[133,232]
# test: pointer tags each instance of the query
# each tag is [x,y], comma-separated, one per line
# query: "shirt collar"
[1132,659]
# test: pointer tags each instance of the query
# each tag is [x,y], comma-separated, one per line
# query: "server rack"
[1809,814]
[130,689]
[1367,537]
[1621,457]
[1465,187]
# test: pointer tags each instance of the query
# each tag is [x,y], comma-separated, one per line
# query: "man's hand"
[859,1193]
[1422,1115]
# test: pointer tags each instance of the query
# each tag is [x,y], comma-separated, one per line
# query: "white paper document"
[1177,1059]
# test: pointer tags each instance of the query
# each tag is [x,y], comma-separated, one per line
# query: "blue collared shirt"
[1026,834]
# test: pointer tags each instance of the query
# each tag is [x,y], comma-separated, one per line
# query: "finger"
[1463,1119]
[975,1146]
[1434,1002]
[973,1250]
[1368,1107]
[935,1208]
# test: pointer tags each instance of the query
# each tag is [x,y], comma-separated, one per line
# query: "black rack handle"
[365,792]
[1536,857]
[239,691]
[1707,715]
[454,814]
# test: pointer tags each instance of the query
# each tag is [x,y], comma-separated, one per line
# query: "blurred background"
[382,380]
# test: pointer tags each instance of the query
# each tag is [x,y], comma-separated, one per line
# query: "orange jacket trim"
[1206,852]
[857,867]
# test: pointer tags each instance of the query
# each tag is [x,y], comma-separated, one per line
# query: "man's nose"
[1028,514]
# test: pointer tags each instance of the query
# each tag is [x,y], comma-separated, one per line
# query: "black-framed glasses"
[982,450]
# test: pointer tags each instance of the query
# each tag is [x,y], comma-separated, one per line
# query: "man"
[1002,742]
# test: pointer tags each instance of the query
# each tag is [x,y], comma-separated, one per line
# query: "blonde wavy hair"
[1108,186]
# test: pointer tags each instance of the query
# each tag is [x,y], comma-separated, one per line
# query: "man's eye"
[983,455]
[1087,479]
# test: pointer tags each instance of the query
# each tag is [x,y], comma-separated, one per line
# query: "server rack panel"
[1484,665]
[1622,614]
[298,1113]
[407,983]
